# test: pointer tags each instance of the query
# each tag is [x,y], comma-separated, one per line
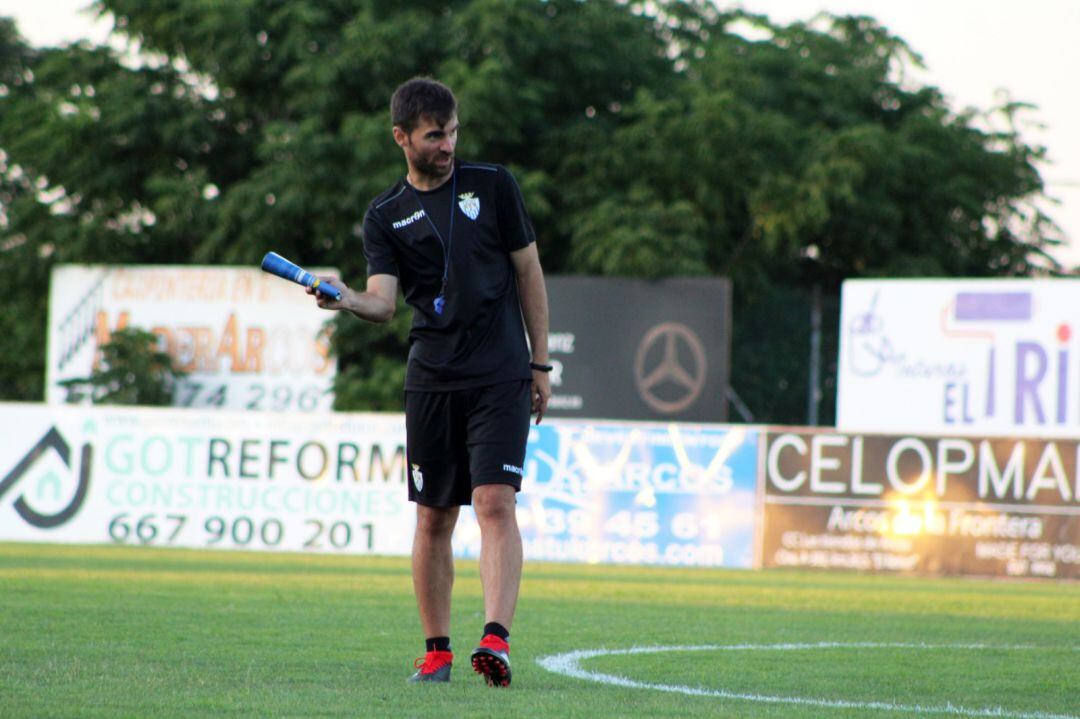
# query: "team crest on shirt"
[470,205]
[417,478]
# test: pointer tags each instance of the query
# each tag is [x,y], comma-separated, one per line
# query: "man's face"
[429,148]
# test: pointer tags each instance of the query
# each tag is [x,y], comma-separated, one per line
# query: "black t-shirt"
[478,339]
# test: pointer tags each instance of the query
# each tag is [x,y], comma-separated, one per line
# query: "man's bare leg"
[433,567]
[500,574]
[500,550]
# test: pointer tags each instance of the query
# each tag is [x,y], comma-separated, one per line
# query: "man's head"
[421,98]
[424,114]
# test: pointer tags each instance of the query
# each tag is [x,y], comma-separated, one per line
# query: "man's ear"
[400,136]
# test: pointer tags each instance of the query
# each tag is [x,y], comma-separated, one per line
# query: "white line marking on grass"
[568,664]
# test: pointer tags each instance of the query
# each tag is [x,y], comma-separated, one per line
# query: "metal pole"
[813,393]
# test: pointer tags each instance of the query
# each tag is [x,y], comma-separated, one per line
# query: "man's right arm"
[378,302]
[375,304]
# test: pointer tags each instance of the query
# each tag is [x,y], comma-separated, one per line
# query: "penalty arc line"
[568,664]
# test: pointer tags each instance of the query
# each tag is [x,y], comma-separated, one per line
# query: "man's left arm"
[534,308]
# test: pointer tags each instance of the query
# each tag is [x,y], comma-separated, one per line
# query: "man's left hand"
[541,393]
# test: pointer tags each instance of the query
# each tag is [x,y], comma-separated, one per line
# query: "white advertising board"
[608,492]
[990,357]
[204,479]
[247,340]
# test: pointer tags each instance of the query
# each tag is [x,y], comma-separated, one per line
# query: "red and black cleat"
[434,667]
[492,660]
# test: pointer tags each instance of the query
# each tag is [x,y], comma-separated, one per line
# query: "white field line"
[568,664]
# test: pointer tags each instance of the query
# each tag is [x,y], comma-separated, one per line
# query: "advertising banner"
[628,493]
[204,479]
[593,491]
[247,340]
[640,350]
[917,504]
[979,357]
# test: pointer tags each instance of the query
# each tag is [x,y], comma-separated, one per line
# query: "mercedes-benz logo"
[670,366]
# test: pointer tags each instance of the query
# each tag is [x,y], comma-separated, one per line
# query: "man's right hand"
[325,301]
[375,304]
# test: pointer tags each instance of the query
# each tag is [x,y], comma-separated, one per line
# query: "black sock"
[496,629]
[438,644]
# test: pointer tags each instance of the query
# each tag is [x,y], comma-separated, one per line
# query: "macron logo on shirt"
[408,220]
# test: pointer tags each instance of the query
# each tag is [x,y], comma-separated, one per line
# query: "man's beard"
[431,169]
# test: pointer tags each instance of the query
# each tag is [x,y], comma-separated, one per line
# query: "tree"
[650,139]
[133,371]
[794,161]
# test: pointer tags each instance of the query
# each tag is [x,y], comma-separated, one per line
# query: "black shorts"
[459,440]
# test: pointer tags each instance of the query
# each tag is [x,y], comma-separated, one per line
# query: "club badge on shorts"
[417,478]
[470,205]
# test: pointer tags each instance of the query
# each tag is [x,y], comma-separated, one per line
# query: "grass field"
[139,632]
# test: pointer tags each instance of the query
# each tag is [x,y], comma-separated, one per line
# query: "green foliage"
[371,370]
[639,237]
[133,370]
[650,140]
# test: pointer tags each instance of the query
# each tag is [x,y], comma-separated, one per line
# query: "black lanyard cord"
[440,301]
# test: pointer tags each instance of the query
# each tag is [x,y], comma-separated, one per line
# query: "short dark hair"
[421,97]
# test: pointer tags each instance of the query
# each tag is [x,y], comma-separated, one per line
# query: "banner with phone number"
[204,479]
[594,491]
[246,340]
[634,493]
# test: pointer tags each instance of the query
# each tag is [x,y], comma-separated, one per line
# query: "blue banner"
[634,493]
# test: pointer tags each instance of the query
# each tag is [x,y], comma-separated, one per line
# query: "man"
[455,235]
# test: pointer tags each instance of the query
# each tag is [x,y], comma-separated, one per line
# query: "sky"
[978,52]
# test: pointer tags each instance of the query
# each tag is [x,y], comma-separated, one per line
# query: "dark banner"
[637,349]
[927,505]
